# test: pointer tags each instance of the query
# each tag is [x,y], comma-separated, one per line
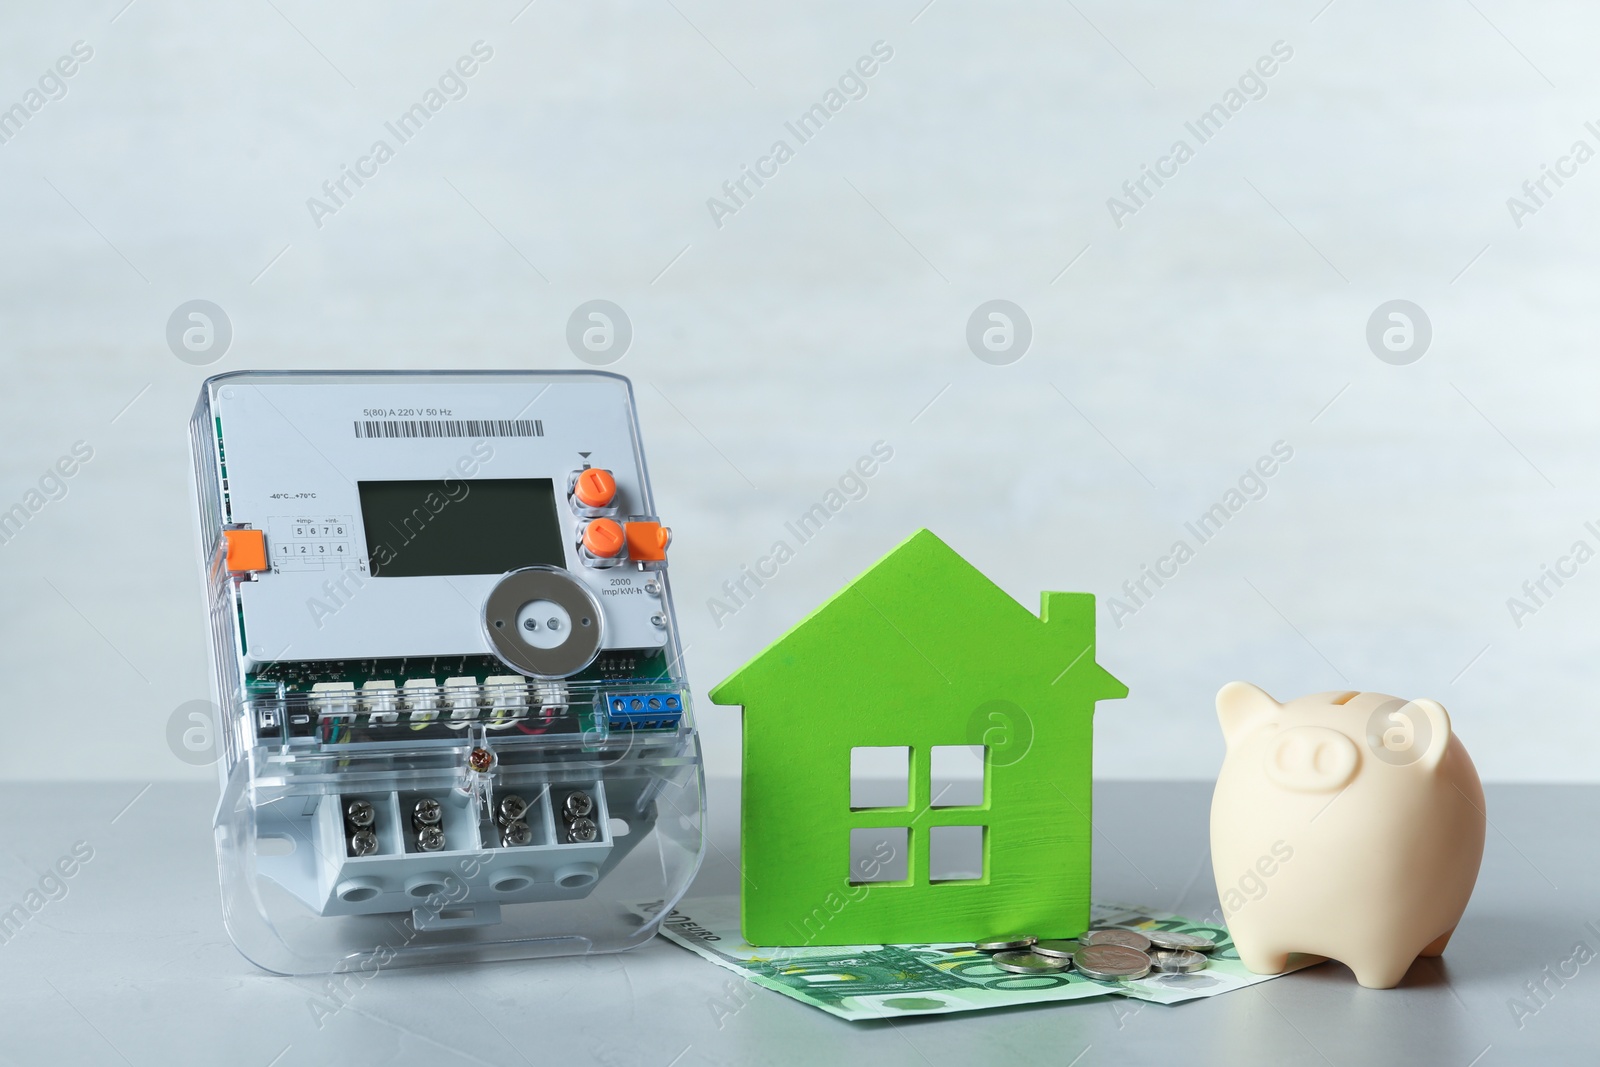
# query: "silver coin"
[360,813]
[1005,942]
[1173,939]
[1028,963]
[1127,938]
[430,839]
[363,843]
[1111,963]
[1056,948]
[1176,960]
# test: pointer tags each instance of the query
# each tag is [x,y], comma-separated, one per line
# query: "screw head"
[480,759]
[511,808]
[582,830]
[515,834]
[363,843]
[359,813]
[427,812]
[430,839]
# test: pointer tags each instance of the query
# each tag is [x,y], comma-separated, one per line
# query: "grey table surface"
[132,964]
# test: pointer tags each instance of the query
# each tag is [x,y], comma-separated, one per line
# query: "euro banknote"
[860,982]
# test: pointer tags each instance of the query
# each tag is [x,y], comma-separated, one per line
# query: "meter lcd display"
[456,526]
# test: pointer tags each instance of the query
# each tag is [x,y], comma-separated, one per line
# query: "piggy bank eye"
[1311,759]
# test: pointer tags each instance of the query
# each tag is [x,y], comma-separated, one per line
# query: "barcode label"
[449,427]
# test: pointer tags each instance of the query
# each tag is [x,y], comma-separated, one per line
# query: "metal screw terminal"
[511,809]
[360,813]
[426,812]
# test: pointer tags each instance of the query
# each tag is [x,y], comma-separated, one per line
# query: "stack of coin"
[1111,963]
[1029,962]
[1107,955]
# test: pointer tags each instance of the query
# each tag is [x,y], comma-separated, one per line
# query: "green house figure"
[975,718]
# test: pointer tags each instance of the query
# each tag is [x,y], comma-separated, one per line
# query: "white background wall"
[1228,313]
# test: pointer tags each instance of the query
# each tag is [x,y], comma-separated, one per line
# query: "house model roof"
[924,624]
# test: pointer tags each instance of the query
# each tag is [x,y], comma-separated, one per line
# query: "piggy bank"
[1344,825]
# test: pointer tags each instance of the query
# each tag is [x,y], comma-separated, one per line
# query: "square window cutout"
[880,777]
[880,854]
[956,776]
[955,853]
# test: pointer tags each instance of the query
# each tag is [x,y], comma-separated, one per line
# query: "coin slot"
[955,853]
[880,854]
[880,777]
[956,776]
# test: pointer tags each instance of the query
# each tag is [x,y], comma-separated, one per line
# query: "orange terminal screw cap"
[595,488]
[603,538]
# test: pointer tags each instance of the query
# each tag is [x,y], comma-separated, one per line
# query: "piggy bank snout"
[1311,759]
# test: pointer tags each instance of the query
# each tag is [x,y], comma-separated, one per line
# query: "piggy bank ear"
[1242,708]
[1417,732]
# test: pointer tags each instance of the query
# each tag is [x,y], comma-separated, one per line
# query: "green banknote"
[890,981]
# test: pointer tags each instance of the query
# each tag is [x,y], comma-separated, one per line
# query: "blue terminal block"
[644,711]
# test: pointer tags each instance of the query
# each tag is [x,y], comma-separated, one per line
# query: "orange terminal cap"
[603,538]
[247,550]
[647,540]
[595,488]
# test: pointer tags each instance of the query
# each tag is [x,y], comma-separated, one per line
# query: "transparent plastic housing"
[483,818]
